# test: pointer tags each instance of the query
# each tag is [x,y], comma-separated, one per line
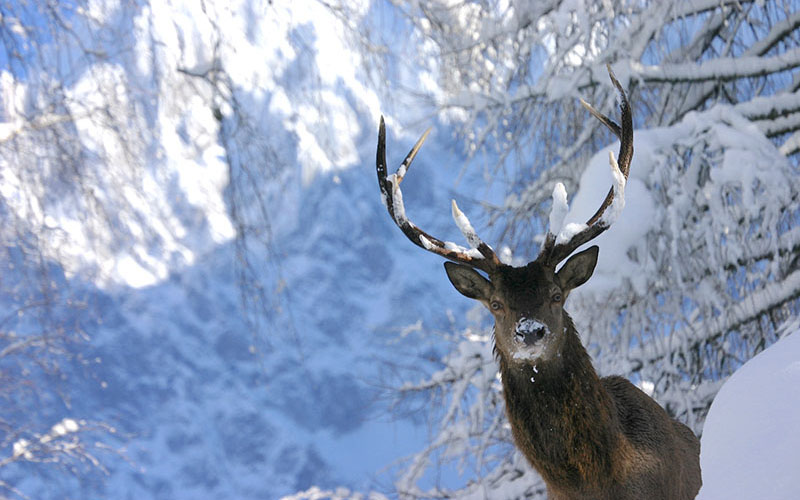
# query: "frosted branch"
[778,32]
[792,145]
[720,69]
[779,126]
[765,107]
[61,443]
[765,299]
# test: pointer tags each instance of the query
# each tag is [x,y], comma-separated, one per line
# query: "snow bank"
[751,444]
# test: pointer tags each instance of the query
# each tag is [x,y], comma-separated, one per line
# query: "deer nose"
[530,331]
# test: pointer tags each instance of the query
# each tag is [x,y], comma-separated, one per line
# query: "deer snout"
[530,331]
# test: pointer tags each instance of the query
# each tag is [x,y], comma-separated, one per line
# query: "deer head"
[527,302]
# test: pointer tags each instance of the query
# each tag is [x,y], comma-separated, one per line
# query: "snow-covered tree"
[701,269]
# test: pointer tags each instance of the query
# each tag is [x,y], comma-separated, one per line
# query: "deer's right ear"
[468,281]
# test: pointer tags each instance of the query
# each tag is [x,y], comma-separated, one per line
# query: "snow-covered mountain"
[204,385]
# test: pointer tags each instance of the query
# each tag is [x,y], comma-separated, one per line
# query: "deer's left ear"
[578,269]
[468,281]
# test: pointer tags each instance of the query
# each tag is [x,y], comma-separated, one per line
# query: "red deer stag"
[588,437]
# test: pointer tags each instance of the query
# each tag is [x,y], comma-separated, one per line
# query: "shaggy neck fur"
[561,417]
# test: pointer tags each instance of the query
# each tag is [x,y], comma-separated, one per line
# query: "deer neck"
[561,417]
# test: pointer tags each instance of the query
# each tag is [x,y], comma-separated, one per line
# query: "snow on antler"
[465,226]
[559,210]
[618,203]
[399,212]
[480,256]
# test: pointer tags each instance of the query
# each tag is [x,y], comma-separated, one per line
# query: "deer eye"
[557,297]
[495,305]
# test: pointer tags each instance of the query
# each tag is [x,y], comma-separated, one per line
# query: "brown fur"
[597,438]
[589,437]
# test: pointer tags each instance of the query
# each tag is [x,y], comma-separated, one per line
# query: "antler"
[480,255]
[559,246]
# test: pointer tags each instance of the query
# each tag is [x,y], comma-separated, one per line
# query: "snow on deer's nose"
[530,331]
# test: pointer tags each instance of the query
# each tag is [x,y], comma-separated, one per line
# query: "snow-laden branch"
[767,298]
[720,69]
[681,10]
[341,493]
[780,126]
[471,421]
[60,444]
[769,107]
[791,145]
[779,31]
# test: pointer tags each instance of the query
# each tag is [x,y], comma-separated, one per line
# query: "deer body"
[601,439]
[588,437]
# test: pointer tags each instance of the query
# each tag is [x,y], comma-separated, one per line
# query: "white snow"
[297,70]
[28,450]
[524,352]
[751,440]
[470,252]
[631,226]
[528,325]
[528,353]
[464,225]
[559,209]
[20,448]
[570,229]
[449,245]
[426,243]
[399,208]
[65,426]
[613,212]
[719,68]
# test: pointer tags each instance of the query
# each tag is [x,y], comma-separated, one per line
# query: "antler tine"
[625,135]
[480,256]
[554,250]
